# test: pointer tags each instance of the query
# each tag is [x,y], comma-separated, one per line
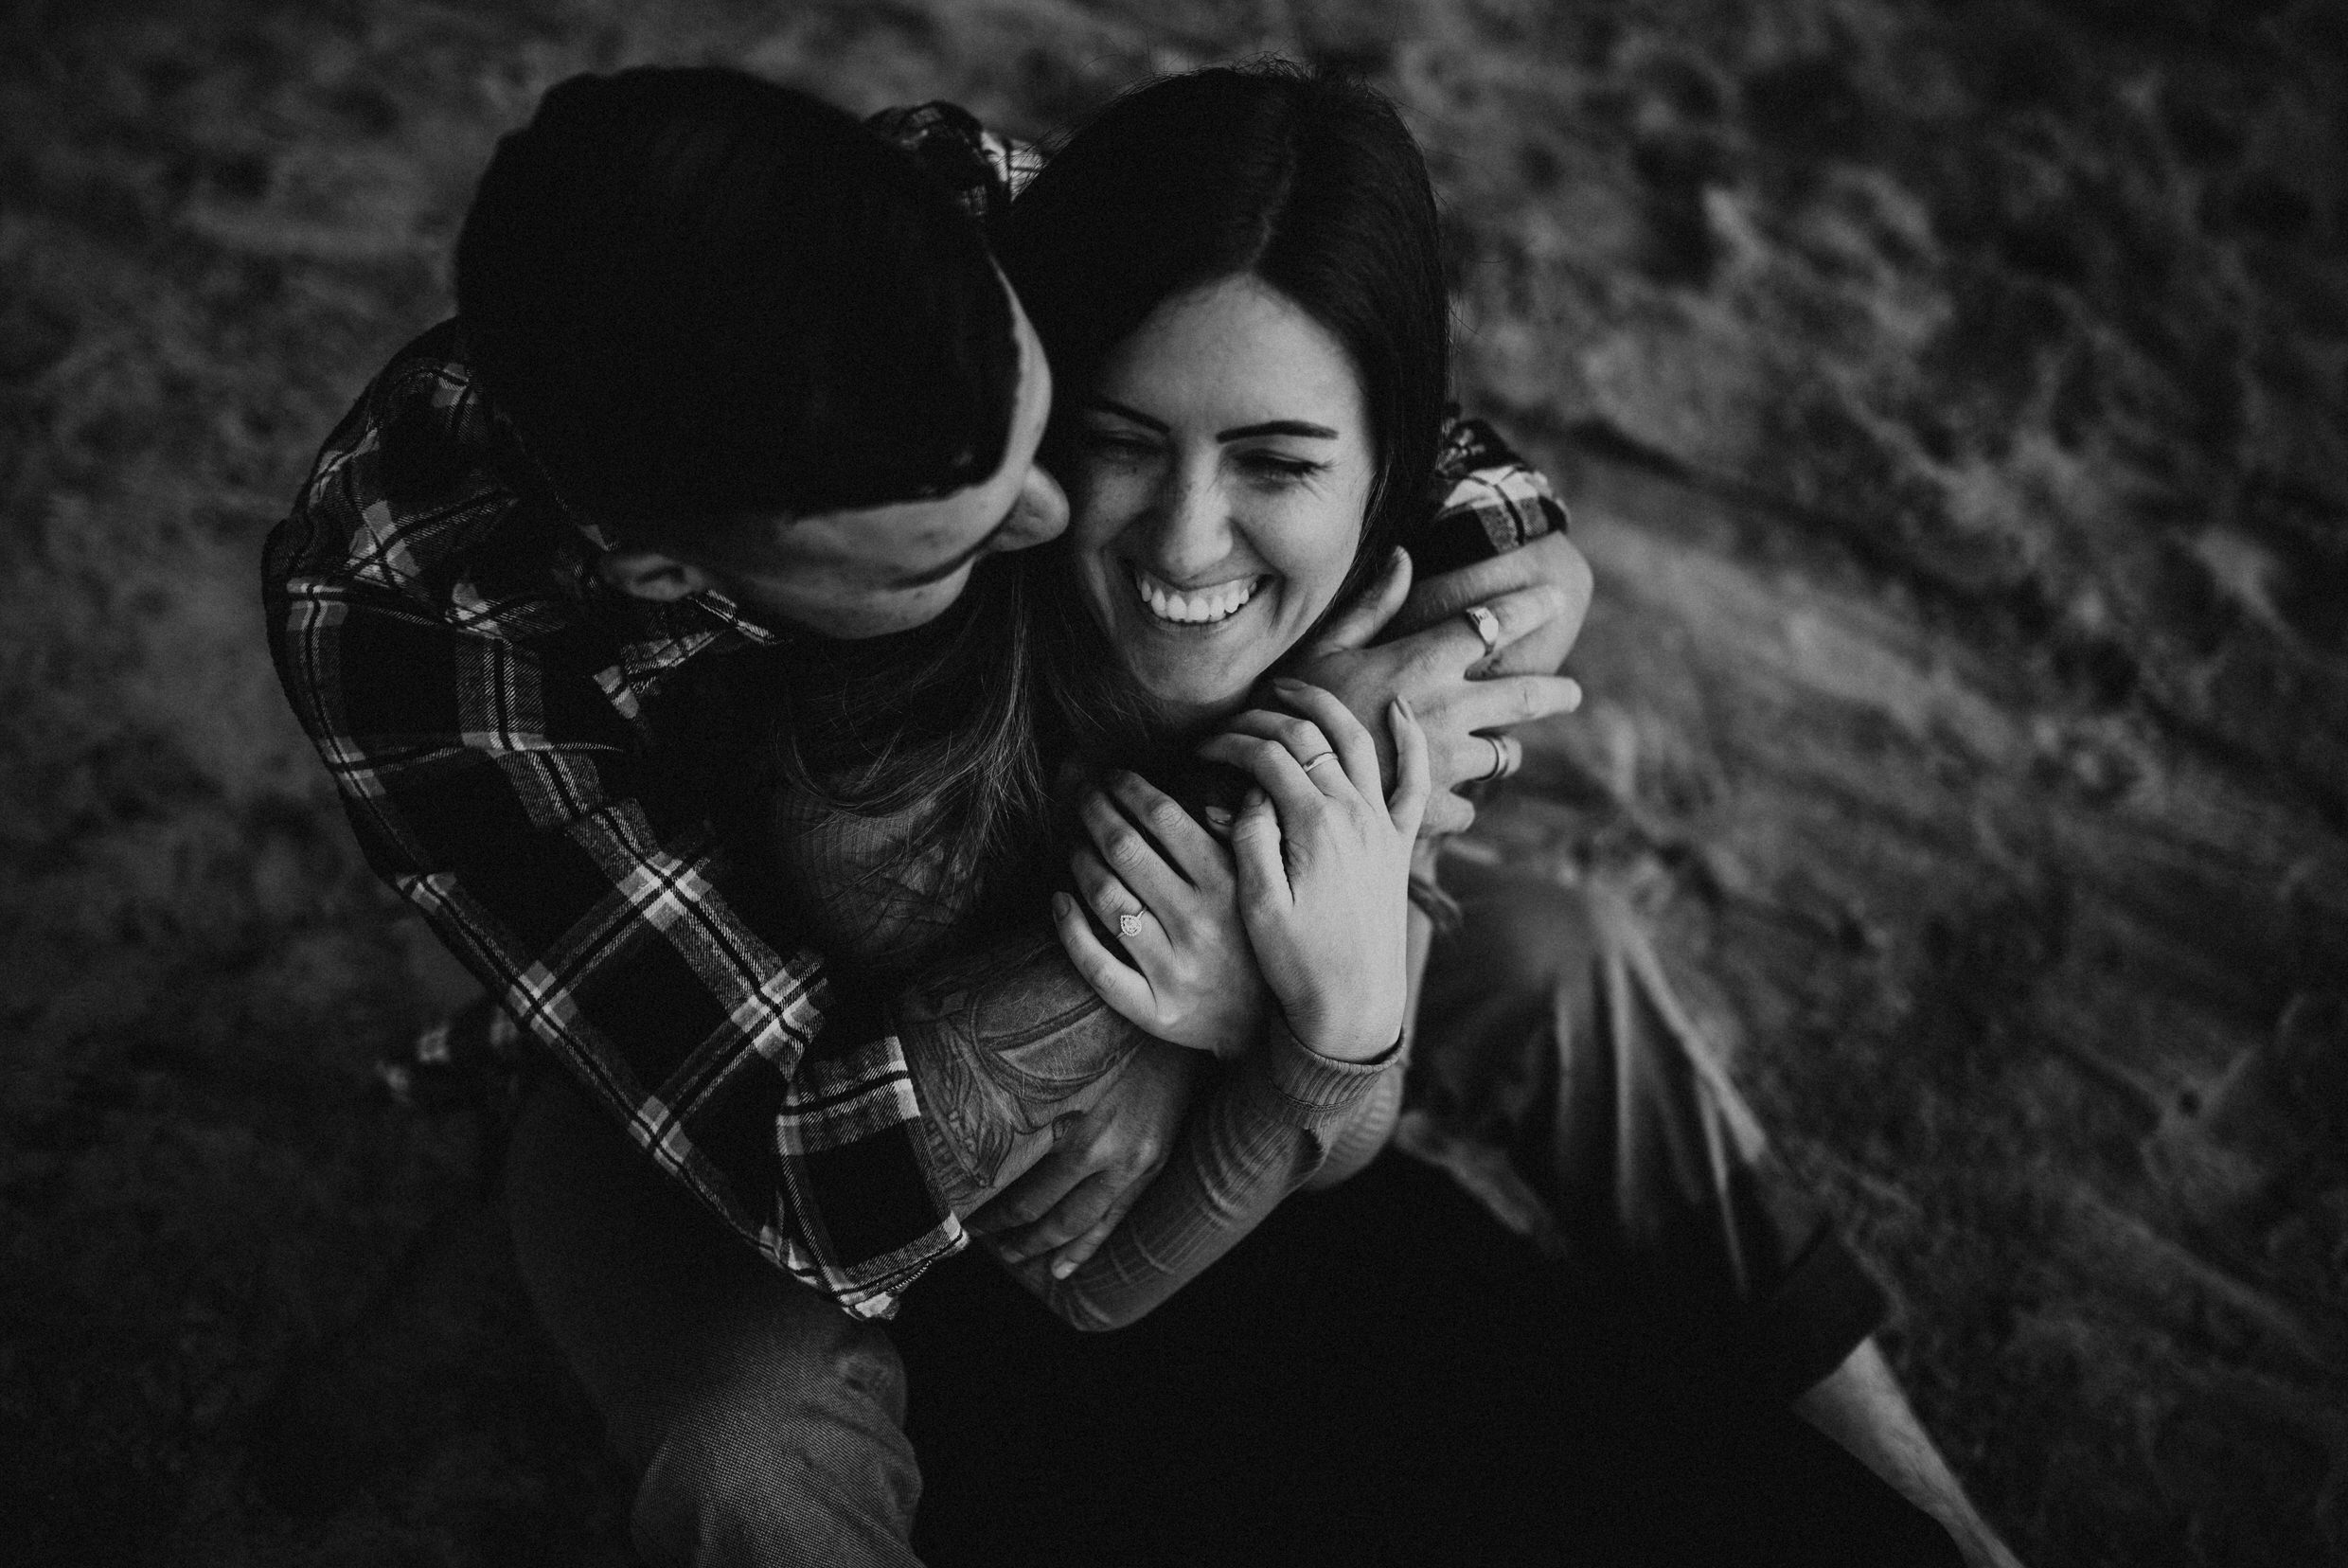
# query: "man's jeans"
[767,1425]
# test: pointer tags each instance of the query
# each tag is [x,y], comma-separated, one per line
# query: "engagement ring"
[1130,925]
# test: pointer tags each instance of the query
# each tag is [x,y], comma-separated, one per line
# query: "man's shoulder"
[983,167]
[412,492]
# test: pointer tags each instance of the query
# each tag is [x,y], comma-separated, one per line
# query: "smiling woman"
[1222,526]
[1221,469]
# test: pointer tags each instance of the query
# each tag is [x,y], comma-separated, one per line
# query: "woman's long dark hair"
[1306,180]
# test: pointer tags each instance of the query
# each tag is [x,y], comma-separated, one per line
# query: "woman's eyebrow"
[1236,433]
[1108,405]
[1277,427]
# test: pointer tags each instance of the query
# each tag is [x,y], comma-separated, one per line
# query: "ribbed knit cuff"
[1314,1083]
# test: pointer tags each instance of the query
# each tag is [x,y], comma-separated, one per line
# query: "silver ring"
[1129,925]
[1487,625]
[1317,760]
[1499,761]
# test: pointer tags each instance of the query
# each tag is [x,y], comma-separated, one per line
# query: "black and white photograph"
[1174,783]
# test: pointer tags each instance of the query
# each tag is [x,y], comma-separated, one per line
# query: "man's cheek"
[881,614]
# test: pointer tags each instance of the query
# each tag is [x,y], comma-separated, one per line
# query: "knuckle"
[1166,816]
[1123,847]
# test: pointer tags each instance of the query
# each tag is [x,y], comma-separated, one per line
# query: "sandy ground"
[1951,399]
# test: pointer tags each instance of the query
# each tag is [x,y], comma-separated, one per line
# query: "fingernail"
[1062,905]
[1403,707]
[1287,682]
[1394,561]
[1573,698]
[1062,1270]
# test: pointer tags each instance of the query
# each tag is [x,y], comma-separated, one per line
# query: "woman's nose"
[1193,531]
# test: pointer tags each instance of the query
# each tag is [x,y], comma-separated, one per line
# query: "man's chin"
[852,623]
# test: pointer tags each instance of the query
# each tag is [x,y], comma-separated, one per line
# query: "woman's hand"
[1324,862]
[1167,889]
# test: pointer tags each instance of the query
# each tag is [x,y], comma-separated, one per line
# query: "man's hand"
[1101,1161]
[1550,559]
[1438,664]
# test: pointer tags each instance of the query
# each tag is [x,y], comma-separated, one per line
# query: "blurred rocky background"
[1951,401]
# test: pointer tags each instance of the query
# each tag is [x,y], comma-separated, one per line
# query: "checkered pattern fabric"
[504,731]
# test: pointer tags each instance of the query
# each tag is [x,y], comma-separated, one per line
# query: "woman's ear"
[649,574]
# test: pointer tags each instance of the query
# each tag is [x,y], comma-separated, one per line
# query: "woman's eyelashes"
[1276,468]
[1264,468]
[1118,445]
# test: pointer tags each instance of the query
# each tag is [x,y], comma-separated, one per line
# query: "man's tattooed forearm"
[1000,1043]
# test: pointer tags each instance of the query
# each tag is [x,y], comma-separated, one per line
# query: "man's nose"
[1040,513]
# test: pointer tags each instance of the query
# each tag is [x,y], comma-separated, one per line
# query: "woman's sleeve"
[1270,1124]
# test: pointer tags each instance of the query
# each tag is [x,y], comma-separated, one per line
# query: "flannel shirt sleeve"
[1487,500]
[982,169]
[495,785]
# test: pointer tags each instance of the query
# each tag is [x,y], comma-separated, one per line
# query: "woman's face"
[1221,473]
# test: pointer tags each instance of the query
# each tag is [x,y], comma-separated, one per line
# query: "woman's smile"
[1222,468]
[1205,608]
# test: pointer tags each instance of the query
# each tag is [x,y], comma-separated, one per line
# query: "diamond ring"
[1129,925]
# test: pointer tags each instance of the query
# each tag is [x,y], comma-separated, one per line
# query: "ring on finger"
[1500,766]
[1313,762]
[1487,625]
[1130,923]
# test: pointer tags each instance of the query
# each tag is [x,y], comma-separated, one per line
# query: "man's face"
[873,570]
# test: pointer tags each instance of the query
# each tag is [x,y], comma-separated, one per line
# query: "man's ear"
[654,575]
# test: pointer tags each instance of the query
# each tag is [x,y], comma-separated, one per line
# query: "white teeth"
[1207,605]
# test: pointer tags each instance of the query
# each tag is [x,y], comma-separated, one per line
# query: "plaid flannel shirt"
[502,729]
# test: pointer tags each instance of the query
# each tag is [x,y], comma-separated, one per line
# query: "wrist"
[1362,1038]
[1284,1046]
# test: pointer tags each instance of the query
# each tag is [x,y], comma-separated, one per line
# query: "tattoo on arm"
[1001,1043]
